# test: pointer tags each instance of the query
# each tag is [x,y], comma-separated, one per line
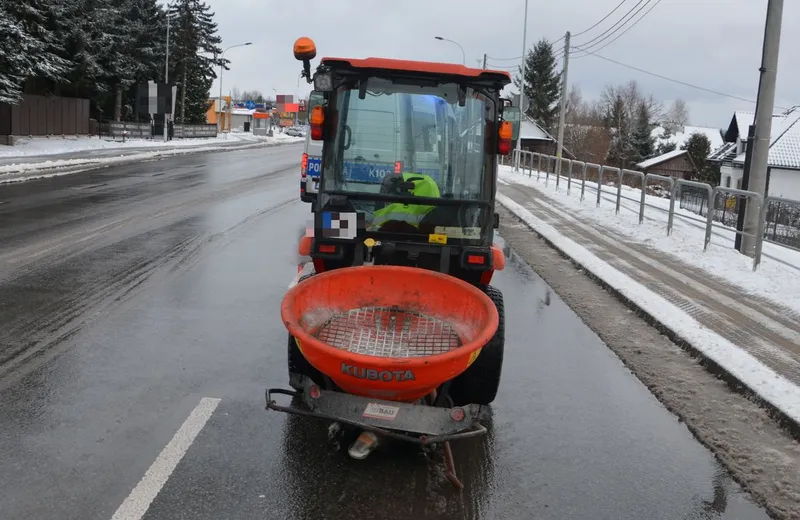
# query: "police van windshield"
[399,130]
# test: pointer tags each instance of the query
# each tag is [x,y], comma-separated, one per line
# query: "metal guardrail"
[526,159]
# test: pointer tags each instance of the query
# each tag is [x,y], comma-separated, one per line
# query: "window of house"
[739,184]
[728,181]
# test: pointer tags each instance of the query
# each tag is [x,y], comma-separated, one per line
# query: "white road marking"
[138,502]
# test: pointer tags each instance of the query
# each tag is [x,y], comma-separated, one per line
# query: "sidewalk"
[753,338]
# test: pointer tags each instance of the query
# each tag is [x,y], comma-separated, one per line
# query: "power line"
[601,21]
[504,59]
[697,87]
[614,28]
[620,35]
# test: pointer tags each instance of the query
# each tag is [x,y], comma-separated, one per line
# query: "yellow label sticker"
[436,238]
[473,357]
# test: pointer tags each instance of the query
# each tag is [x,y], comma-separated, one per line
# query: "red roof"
[418,66]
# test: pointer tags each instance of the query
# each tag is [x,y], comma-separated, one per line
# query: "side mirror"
[513,116]
[305,50]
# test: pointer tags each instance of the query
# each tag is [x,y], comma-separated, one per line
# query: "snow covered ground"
[765,382]
[774,280]
[57,145]
[41,158]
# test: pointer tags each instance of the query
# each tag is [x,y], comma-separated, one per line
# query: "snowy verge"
[37,170]
[773,281]
[765,383]
[44,146]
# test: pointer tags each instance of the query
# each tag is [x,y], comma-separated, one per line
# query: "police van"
[312,159]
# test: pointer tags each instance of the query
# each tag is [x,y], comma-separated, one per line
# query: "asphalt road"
[141,301]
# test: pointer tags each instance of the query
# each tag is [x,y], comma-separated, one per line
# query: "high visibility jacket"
[424,186]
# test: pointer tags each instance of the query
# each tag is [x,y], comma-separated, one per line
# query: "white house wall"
[784,183]
[735,175]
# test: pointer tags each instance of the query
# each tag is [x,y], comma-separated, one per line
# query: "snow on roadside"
[53,146]
[68,165]
[762,380]
[772,281]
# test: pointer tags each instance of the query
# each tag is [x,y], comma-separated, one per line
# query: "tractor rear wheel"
[479,383]
[299,366]
[297,363]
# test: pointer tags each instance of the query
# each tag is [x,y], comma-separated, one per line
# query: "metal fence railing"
[135,130]
[779,221]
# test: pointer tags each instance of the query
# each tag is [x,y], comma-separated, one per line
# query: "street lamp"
[221,68]
[463,56]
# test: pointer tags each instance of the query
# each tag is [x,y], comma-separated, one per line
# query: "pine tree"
[542,85]
[699,148]
[195,39]
[642,142]
[30,48]
[618,122]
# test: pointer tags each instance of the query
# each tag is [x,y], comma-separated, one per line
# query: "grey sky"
[712,43]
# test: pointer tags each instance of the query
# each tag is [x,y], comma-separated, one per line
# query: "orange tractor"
[394,328]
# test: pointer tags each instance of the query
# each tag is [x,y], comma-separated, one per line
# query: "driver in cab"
[402,217]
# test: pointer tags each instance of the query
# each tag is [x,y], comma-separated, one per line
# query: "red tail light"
[317,120]
[303,166]
[398,167]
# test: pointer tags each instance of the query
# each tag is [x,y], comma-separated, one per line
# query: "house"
[677,164]
[536,139]
[783,166]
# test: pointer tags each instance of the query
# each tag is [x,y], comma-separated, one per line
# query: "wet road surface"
[145,299]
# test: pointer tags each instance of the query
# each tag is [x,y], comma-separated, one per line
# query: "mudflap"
[410,422]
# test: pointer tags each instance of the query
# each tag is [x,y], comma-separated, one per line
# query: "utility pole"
[522,83]
[484,61]
[166,74]
[757,178]
[562,114]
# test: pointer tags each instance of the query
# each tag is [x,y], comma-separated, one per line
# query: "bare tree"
[236,94]
[677,116]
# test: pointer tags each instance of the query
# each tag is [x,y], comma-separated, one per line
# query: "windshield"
[409,129]
[405,139]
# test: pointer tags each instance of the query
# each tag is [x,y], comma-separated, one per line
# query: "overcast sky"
[715,44]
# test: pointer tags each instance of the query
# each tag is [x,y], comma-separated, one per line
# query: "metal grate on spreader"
[388,332]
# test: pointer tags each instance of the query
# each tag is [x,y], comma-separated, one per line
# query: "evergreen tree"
[642,142]
[617,121]
[699,148]
[666,147]
[195,39]
[542,85]
[30,49]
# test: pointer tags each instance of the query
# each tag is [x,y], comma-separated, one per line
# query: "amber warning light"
[304,49]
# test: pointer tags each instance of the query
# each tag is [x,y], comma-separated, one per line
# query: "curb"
[787,422]
[93,164]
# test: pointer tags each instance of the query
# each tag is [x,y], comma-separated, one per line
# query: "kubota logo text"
[378,375]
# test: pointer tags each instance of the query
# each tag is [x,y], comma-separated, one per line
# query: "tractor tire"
[297,363]
[479,383]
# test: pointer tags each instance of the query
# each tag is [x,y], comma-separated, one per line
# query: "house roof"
[714,136]
[649,163]
[529,129]
[784,146]
[726,152]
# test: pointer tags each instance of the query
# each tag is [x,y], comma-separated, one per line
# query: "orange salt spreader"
[393,325]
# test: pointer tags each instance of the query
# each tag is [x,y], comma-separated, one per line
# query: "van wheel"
[479,383]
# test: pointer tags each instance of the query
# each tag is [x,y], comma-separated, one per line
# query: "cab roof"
[429,67]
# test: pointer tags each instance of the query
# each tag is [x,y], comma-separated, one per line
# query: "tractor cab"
[408,165]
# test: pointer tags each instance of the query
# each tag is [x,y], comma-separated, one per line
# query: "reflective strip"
[401,216]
